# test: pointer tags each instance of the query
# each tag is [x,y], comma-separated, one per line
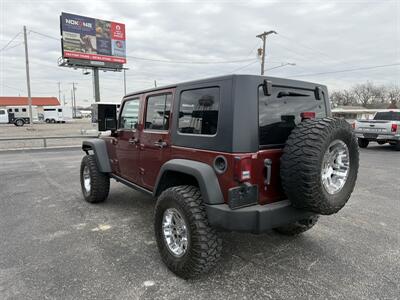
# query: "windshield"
[388,116]
[279,113]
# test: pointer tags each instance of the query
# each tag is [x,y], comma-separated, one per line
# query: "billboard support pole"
[124,82]
[96,84]
[28,79]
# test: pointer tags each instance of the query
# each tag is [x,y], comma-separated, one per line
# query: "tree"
[365,93]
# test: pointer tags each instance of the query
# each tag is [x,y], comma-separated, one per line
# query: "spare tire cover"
[319,165]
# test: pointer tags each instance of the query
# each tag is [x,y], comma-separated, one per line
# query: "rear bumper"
[379,137]
[256,218]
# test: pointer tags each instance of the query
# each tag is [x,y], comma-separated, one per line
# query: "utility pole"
[28,79]
[59,91]
[73,99]
[263,37]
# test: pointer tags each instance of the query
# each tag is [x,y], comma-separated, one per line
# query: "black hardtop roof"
[277,80]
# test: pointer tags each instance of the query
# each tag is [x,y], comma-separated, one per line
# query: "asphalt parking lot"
[56,246]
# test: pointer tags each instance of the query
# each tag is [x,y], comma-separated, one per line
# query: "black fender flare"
[203,173]
[99,148]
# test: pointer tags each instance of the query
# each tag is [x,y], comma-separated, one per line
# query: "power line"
[245,66]
[189,62]
[4,48]
[307,47]
[346,70]
[172,61]
[16,45]
[13,88]
[45,35]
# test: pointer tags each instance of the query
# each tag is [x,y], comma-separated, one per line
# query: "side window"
[198,111]
[60,110]
[158,112]
[129,115]
[16,109]
[2,112]
[24,110]
[10,110]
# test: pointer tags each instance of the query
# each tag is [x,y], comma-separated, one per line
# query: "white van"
[53,114]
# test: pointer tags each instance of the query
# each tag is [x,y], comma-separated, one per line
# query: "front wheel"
[298,227]
[95,184]
[188,245]
[363,143]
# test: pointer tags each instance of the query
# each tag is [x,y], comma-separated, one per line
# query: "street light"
[282,65]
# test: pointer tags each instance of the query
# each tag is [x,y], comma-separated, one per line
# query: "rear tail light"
[394,127]
[242,168]
[353,125]
[307,115]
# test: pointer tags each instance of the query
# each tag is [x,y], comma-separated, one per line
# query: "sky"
[337,43]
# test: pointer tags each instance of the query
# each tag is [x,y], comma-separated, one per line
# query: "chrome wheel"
[335,166]
[175,232]
[86,179]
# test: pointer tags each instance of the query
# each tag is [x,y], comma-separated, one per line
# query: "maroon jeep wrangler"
[239,153]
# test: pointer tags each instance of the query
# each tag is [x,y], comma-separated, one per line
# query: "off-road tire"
[301,165]
[298,227]
[363,143]
[100,182]
[204,245]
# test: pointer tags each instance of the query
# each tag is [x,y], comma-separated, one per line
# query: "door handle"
[133,141]
[161,144]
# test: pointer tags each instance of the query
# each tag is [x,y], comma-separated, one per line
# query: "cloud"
[319,36]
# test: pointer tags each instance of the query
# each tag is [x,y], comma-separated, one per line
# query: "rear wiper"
[290,94]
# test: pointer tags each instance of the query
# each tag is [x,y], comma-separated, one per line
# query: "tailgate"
[374,126]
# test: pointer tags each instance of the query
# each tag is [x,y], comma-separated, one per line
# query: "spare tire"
[319,165]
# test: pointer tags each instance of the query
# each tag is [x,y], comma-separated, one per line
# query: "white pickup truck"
[10,118]
[383,128]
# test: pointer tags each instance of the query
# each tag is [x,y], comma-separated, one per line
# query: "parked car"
[383,128]
[238,153]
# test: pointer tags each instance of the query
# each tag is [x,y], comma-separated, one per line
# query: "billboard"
[92,39]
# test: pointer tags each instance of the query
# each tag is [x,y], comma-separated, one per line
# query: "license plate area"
[370,135]
[242,196]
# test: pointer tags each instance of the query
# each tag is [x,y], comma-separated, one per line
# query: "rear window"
[279,113]
[388,116]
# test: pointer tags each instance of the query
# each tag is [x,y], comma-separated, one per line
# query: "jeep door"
[155,138]
[127,141]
